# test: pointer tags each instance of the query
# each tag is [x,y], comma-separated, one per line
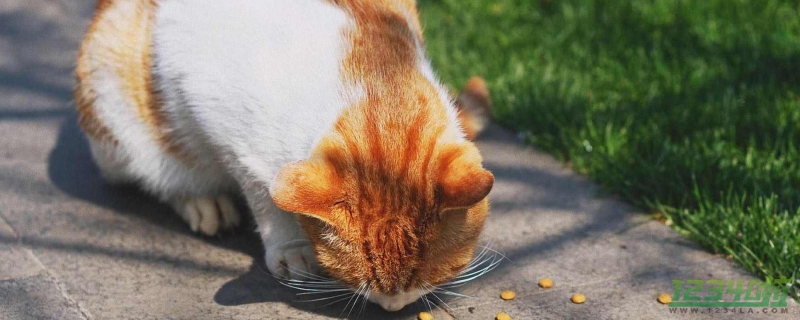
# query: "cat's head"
[396,219]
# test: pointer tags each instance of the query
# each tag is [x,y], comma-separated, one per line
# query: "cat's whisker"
[325,298]
[447,307]
[480,259]
[355,295]
[499,253]
[315,284]
[313,288]
[307,274]
[320,281]
[477,274]
[366,301]
[462,279]
[304,288]
[358,296]
[322,292]
[429,303]
[463,282]
[448,292]
[348,296]
[479,256]
[424,299]
[476,264]
[364,297]
[480,268]
[297,282]
[434,288]
[489,258]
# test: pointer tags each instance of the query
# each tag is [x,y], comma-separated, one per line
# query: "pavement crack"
[84,313]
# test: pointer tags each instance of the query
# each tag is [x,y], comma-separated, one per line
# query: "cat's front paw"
[208,215]
[295,261]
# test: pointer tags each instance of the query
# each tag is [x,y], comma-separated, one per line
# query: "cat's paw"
[296,262]
[208,215]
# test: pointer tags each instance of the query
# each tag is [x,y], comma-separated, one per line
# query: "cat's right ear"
[463,182]
[306,187]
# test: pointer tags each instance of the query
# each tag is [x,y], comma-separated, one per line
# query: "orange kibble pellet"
[578,298]
[546,283]
[425,316]
[664,298]
[502,316]
[508,295]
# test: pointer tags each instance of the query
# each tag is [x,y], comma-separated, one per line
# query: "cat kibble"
[502,316]
[546,283]
[664,298]
[508,295]
[425,316]
[578,298]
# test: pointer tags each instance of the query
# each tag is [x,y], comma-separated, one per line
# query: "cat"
[324,114]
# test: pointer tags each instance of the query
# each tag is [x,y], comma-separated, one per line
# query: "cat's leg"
[288,252]
[201,197]
[199,192]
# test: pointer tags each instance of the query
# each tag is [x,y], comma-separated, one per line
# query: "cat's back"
[274,65]
[152,74]
[260,48]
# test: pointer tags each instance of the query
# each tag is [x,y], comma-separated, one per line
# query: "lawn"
[688,109]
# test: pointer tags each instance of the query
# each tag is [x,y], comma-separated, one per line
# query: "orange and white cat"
[325,114]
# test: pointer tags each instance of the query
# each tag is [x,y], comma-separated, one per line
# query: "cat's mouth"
[396,302]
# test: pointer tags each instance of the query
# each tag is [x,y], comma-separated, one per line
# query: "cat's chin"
[394,302]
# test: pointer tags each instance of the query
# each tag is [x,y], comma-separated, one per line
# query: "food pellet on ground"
[424,316]
[664,298]
[546,283]
[578,298]
[508,295]
[502,316]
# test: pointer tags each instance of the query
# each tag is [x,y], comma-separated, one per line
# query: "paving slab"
[72,247]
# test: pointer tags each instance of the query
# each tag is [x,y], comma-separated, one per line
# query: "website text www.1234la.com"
[741,297]
[729,310]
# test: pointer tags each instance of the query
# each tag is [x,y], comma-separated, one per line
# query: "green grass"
[690,109]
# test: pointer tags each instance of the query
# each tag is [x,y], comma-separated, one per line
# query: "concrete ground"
[72,247]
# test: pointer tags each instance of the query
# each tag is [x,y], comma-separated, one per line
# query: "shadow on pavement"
[72,170]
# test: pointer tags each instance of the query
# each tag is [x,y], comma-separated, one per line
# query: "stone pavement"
[74,248]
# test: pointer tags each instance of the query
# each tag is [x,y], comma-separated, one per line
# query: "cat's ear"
[306,187]
[463,182]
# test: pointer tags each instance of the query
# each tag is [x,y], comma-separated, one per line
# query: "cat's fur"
[327,109]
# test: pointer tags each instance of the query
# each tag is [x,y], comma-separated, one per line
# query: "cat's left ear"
[306,187]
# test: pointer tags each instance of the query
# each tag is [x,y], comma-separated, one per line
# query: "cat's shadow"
[72,170]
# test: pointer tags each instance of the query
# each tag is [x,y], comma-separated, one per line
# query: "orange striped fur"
[404,193]
[132,62]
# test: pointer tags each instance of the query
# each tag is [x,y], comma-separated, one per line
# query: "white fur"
[138,157]
[258,83]
[249,86]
